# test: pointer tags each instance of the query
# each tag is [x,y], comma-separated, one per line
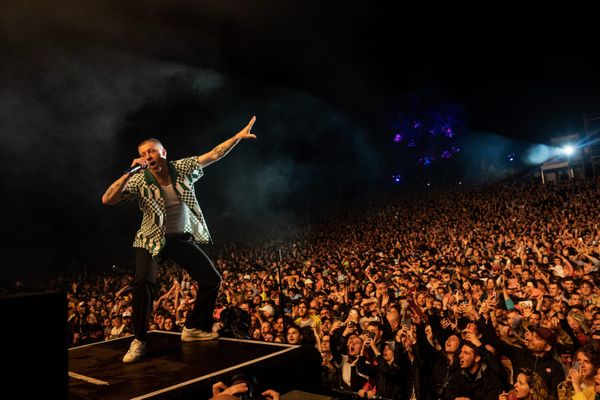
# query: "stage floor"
[171,369]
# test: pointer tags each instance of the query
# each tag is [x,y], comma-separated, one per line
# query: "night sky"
[327,80]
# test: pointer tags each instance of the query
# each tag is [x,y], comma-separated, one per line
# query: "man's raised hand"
[245,133]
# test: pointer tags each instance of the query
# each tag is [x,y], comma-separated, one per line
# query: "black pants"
[183,250]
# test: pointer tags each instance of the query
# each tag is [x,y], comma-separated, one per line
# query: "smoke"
[490,157]
[309,150]
[539,153]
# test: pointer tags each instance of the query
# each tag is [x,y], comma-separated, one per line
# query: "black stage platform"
[174,370]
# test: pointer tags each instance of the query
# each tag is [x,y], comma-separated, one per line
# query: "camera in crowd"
[254,391]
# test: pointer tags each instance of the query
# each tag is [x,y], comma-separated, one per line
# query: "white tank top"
[177,211]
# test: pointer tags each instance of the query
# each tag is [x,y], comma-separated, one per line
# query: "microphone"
[134,168]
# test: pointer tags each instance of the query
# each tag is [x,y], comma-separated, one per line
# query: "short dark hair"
[472,346]
[294,326]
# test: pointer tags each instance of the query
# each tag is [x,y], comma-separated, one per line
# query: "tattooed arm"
[221,150]
[115,191]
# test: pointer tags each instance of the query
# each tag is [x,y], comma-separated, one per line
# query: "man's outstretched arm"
[221,150]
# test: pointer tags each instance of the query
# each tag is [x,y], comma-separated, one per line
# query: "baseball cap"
[127,314]
[267,308]
[546,334]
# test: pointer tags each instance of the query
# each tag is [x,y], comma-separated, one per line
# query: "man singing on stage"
[172,227]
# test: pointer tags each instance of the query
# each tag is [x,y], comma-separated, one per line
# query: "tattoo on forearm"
[221,150]
[111,189]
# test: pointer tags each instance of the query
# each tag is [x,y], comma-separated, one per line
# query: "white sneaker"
[193,334]
[135,352]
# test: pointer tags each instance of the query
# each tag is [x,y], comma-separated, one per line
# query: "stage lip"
[179,334]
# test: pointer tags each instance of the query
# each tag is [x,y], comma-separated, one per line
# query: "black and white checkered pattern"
[151,235]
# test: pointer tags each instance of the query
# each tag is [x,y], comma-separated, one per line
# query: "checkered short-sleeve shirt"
[146,190]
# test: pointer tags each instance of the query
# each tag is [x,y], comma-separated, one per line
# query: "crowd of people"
[485,292]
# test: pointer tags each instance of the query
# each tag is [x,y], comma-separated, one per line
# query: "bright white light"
[540,153]
[568,150]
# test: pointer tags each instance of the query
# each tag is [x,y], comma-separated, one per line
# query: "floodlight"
[568,150]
